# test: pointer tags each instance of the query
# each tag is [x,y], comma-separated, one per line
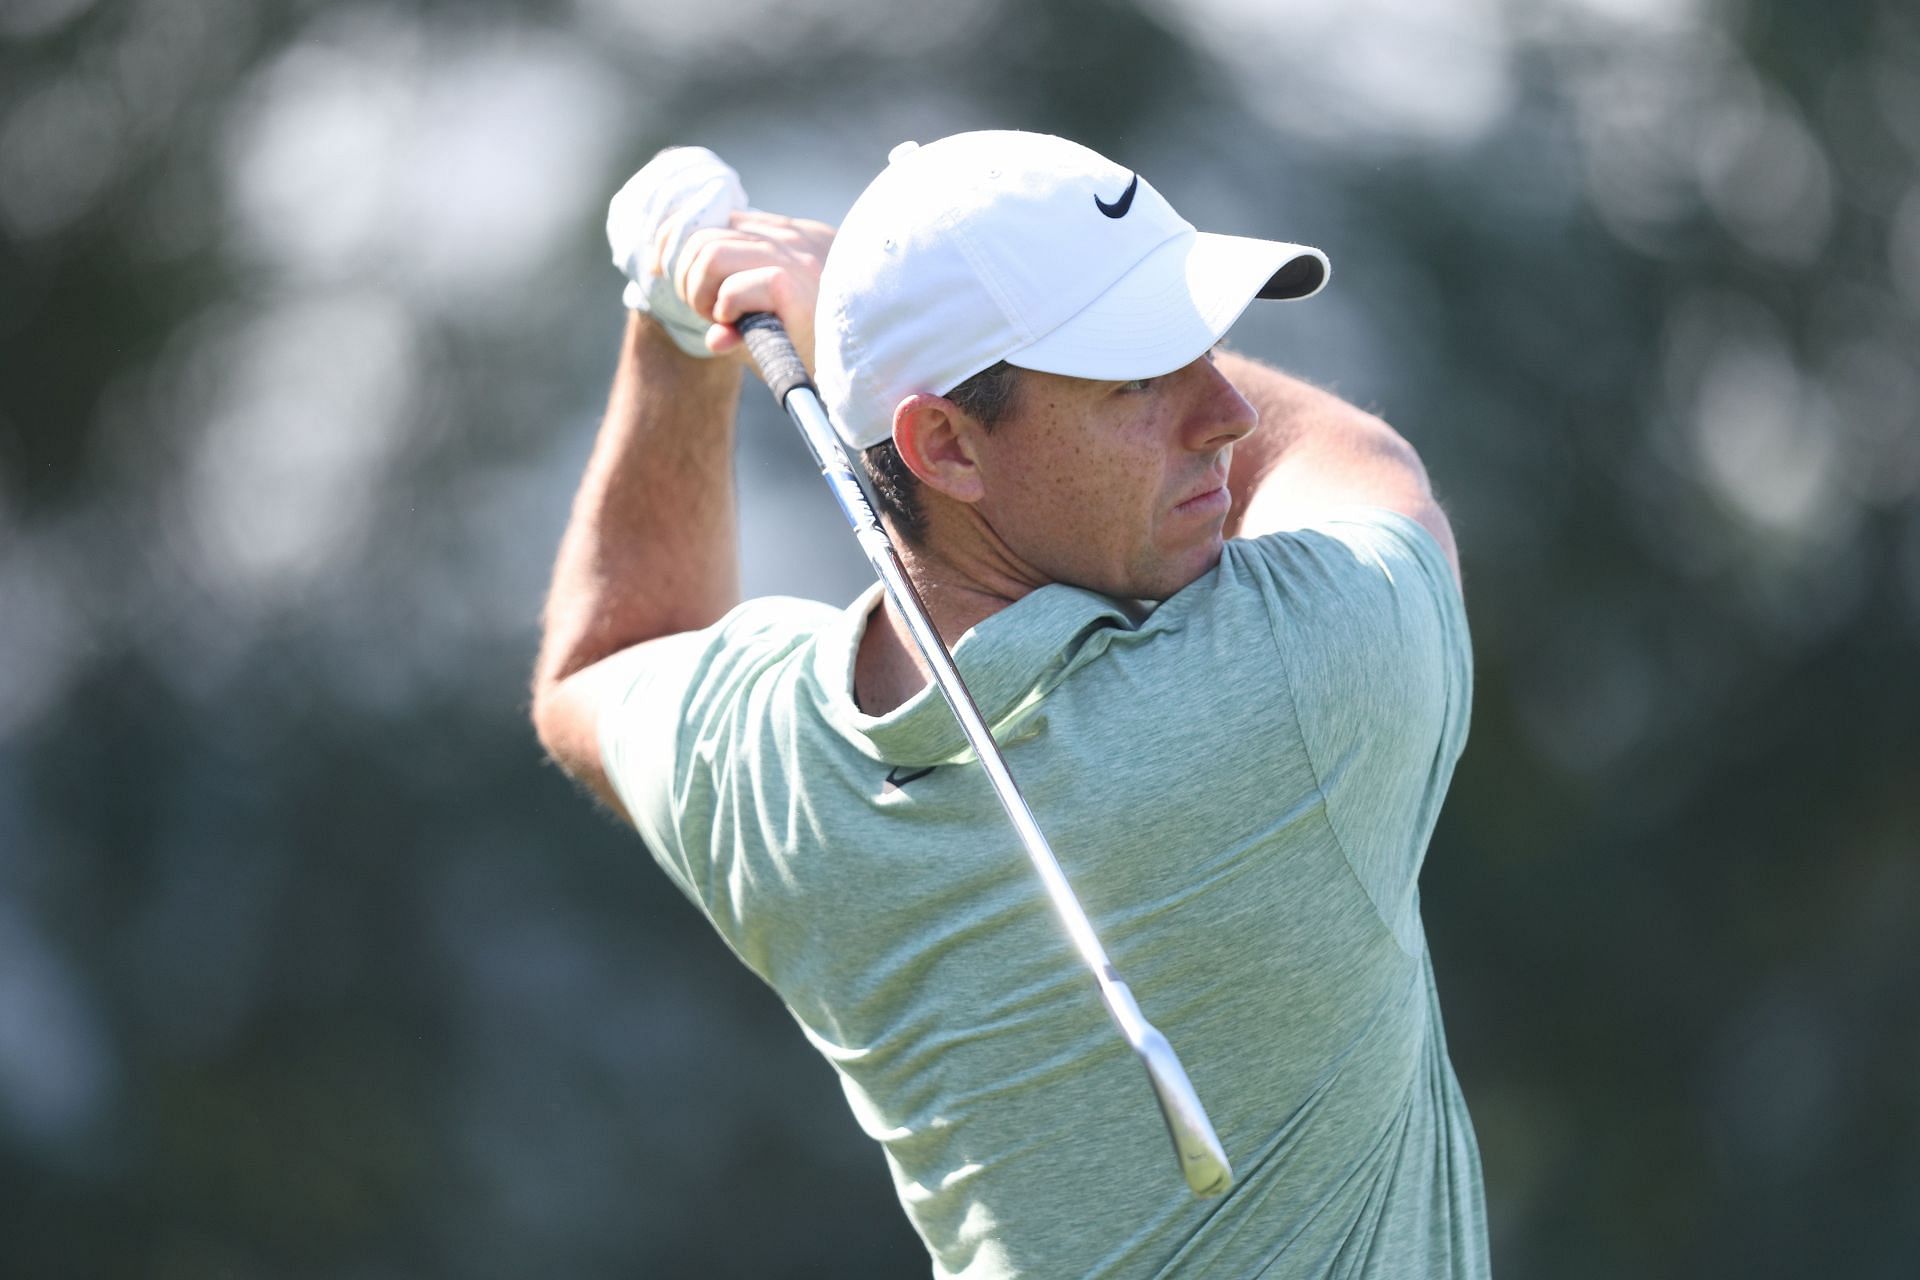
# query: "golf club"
[1202,1160]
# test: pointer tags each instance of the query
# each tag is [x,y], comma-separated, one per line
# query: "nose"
[1219,414]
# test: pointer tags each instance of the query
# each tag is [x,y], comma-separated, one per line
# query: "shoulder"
[628,710]
[1348,563]
[1364,609]
[703,667]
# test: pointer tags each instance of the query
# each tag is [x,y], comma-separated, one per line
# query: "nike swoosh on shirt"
[898,777]
[1118,209]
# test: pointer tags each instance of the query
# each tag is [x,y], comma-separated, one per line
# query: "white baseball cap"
[1031,249]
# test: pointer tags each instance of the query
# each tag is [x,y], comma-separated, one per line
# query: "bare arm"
[1313,450]
[651,549]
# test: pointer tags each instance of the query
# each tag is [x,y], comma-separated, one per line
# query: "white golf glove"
[678,192]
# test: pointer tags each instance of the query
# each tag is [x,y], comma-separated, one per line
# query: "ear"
[936,439]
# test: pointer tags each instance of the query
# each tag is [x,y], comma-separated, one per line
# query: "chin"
[1171,580]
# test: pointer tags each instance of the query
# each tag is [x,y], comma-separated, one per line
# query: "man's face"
[1119,487]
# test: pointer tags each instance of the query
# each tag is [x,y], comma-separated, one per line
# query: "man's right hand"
[758,262]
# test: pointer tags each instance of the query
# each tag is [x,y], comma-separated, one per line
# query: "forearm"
[1311,450]
[652,546]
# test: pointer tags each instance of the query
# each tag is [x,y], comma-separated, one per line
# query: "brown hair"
[987,397]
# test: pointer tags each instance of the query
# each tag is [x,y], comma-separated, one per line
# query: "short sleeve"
[1372,635]
[665,732]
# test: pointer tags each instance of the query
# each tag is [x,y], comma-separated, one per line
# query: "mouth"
[1208,501]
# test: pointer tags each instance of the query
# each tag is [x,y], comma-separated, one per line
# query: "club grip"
[773,352]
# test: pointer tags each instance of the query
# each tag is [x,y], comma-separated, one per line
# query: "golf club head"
[1202,1159]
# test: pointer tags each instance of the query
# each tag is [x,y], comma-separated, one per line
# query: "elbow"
[565,720]
[545,715]
[1396,451]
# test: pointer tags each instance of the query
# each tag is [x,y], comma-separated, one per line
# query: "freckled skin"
[1084,479]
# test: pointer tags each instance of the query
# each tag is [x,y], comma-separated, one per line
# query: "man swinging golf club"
[1211,618]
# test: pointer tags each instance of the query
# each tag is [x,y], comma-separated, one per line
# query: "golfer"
[1214,618]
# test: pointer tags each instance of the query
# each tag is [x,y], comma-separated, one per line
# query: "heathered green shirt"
[1240,784]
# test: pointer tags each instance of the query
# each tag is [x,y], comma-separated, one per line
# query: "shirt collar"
[1009,661]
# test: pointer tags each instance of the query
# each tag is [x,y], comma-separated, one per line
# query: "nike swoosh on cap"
[1118,209]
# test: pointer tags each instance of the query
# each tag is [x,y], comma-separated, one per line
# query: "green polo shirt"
[1240,784]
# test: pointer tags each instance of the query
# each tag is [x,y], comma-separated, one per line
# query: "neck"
[889,668]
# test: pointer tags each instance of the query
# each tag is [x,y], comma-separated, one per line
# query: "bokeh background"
[310,967]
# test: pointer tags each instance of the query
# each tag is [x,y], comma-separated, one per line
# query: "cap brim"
[1172,305]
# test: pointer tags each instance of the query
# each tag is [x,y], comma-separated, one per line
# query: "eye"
[1138,384]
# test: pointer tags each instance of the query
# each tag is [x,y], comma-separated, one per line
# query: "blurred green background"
[310,967]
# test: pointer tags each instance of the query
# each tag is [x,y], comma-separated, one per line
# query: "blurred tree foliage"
[309,967]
